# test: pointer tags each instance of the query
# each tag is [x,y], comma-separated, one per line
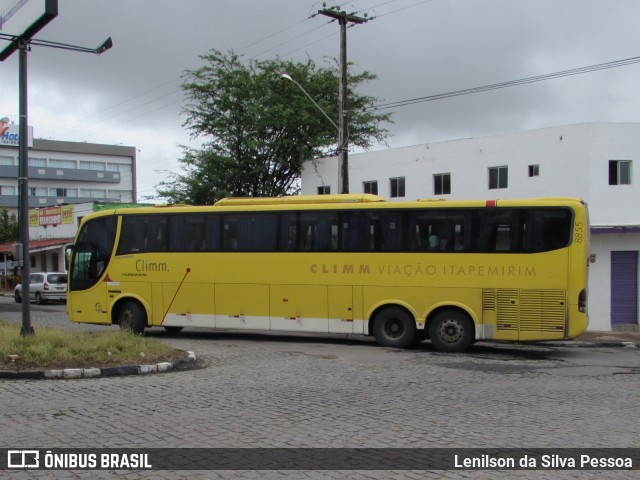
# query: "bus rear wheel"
[394,327]
[132,317]
[451,331]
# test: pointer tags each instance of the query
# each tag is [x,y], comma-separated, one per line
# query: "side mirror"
[68,251]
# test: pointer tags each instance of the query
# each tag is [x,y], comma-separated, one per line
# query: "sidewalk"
[607,339]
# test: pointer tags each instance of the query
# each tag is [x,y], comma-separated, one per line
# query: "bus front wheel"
[451,331]
[394,327]
[132,317]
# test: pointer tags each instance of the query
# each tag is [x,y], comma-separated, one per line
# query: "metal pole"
[343,137]
[23,187]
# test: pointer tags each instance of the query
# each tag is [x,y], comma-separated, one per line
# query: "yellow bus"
[454,272]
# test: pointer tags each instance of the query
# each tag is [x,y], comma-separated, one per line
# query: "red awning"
[37,245]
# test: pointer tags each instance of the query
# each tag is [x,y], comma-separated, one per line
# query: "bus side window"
[131,236]
[250,232]
[156,234]
[194,233]
[188,233]
[388,232]
[230,234]
[212,233]
[503,237]
[356,232]
[319,231]
[547,229]
[259,233]
[494,231]
[460,242]
[289,239]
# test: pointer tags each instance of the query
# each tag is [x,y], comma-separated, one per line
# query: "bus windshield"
[92,252]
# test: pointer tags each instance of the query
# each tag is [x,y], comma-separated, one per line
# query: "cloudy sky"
[131,95]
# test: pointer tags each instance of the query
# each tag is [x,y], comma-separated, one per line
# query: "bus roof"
[339,202]
[299,200]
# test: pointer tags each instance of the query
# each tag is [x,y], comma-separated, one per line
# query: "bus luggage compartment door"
[299,308]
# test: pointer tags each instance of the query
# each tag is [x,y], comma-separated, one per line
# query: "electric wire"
[509,83]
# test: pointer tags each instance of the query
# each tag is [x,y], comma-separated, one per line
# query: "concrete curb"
[589,344]
[96,372]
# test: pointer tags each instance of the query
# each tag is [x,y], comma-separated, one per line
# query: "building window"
[534,170]
[397,187]
[85,165]
[442,184]
[63,192]
[121,195]
[7,190]
[619,172]
[38,191]
[93,193]
[498,177]
[324,190]
[55,163]
[118,167]
[7,160]
[37,162]
[370,187]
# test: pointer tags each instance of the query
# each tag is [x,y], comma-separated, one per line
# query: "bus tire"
[394,327]
[132,317]
[451,330]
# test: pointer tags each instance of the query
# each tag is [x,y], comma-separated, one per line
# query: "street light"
[343,173]
[286,76]
[23,46]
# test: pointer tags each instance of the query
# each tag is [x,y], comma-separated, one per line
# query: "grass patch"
[55,348]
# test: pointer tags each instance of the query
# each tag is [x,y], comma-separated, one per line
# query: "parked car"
[44,286]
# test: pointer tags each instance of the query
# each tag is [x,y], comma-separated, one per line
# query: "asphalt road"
[269,390]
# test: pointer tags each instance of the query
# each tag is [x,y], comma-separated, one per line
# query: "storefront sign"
[43,217]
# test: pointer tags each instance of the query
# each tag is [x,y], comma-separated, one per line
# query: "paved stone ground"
[278,391]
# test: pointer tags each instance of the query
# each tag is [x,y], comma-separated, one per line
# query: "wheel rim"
[451,330]
[393,328]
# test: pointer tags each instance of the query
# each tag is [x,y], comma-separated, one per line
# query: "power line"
[510,83]
[402,8]
[70,127]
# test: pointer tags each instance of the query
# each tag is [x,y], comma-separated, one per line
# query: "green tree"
[8,227]
[258,128]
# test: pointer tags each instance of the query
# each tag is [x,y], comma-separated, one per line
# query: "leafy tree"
[8,227]
[258,128]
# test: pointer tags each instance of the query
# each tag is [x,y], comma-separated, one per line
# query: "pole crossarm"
[342,16]
[106,45]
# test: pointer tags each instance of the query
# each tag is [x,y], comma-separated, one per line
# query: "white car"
[44,286]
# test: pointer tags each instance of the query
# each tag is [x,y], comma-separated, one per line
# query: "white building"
[593,161]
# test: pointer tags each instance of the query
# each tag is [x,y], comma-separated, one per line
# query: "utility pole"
[343,130]
[23,189]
